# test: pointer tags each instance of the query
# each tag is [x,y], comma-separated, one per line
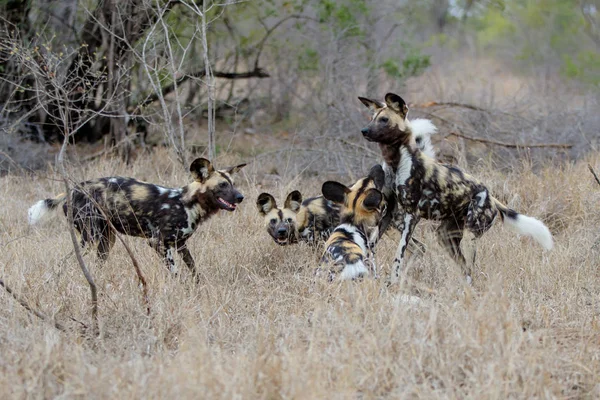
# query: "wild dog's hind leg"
[105,243]
[167,251]
[406,225]
[450,234]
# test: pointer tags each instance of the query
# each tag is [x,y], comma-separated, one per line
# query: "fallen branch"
[38,314]
[512,145]
[594,173]
[151,98]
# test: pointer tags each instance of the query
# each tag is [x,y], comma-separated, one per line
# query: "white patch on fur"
[405,167]
[163,190]
[37,212]
[174,193]
[423,129]
[194,214]
[171,260]
[481,196]
[403,239]
[352,271]
[113,180]
[165,207]
[530,226]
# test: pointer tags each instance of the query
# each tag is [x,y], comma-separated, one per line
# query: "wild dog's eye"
[273,221]
[289,220]
[384,120]
[223,185]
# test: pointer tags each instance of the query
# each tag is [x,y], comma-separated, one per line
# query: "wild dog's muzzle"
[230,206]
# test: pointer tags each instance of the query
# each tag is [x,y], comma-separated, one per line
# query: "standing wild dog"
[426,189]
[316,217]
[361,209]
[306,220]
[165,216]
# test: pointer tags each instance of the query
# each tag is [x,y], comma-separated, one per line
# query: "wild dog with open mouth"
[427,189]
[165,216]
[307,220]
[349,249]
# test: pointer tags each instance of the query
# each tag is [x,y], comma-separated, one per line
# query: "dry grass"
[258,326]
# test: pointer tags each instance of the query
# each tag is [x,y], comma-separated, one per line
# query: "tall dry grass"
[257,326]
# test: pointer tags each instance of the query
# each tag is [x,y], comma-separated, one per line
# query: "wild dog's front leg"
[406,225]
[185,254]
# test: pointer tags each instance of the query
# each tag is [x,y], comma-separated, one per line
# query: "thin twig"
[512,145]
[26,305]
[594,173]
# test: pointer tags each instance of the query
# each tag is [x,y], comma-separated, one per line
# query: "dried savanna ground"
[258,326]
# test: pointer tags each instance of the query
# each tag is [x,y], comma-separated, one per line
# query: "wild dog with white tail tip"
[427,189]
[349,249]
[165,216]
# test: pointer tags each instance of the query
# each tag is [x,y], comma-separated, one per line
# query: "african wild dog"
[165,216]
[362,207]
[315,218]
[427,189]
[308,220]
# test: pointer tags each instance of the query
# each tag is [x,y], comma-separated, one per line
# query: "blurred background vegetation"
[124,76]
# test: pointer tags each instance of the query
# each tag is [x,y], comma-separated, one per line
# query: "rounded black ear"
[396,103]
[201,169]
[293,201]
[335,191]
[376,173]
[373,199]
[265,203]
[372,105]
[235,169]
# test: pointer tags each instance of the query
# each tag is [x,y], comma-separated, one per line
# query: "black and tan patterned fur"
[311,220]
[167,217]
[427,189]
[349,250]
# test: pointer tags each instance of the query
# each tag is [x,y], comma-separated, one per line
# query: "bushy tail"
[43,208]
[525,225]
[422,130]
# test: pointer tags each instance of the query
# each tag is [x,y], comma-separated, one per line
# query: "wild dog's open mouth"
[282,241]
[224,204]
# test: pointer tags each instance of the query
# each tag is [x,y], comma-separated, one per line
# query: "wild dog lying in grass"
[316,217]
[308,220]
[362,207]
[165,216]
[427,189]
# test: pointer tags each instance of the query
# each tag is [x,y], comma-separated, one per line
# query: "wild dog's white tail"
[525,225]
[43,208]
[422,130]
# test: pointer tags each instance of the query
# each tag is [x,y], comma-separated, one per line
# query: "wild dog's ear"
[376,173]
[335,191]
[396,103]
[235,169]
[265,203]
[201,169]
[372,105]
[293,201]
[373,198]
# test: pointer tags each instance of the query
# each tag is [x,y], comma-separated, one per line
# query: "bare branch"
[512,145]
